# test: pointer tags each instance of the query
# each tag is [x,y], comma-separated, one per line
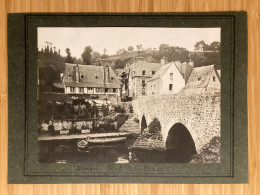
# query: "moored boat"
[106,140]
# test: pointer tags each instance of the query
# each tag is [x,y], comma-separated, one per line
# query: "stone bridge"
[187,119]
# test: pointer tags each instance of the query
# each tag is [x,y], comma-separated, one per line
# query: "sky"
[115,38]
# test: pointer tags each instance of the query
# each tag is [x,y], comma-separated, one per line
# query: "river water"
[68,152]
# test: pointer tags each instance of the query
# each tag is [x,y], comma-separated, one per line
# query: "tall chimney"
[164,60]
[77,73]
[106,74]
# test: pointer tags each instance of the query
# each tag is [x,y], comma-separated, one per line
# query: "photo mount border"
[227,15]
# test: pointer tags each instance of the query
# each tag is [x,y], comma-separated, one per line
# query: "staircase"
[130,126]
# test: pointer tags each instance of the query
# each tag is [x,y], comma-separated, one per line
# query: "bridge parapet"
[200,114]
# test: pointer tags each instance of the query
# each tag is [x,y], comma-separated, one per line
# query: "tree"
[105,51]
[205,58]
[200,46]
[68,58]
[139,47]
[95,56]
[172,53]
[119,51]
[130,48]
[86,55]
[215,46]
[119,64]
[155,126]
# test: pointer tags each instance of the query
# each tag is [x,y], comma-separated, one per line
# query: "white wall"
[214,86]
[177,82]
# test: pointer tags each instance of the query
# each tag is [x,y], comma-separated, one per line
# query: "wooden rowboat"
[106,140]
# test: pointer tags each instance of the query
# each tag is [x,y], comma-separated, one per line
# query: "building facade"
[168,79]
[90,79]
[139,73]
[204,79]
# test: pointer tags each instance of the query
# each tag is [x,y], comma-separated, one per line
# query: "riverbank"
[210,153]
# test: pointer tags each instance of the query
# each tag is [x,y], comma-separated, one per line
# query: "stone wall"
[137,82]
[200,114]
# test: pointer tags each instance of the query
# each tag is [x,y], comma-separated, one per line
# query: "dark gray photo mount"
[24,165]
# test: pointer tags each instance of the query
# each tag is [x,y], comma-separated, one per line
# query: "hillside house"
[170,78]
[90,79]
[139,73]
[204,79]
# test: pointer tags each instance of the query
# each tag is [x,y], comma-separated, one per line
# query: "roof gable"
[161,71]
[200,77]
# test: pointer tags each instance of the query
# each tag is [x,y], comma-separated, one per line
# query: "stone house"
[123,74]
[170,78]
[139,73]
[204,79]
[90,79]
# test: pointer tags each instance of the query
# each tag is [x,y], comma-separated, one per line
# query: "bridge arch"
[181,135]
[180,145]
[143,124]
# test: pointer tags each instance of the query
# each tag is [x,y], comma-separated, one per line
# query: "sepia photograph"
[129,95]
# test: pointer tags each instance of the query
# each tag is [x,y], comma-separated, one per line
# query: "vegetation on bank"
[210,153]
[153,131]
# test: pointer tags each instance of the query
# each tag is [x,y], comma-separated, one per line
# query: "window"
[81,89]
[69,77]
[214,79]
[90,88]
[170,87]
[143,82]
[112,78]
[114,90]
[81,76]
[143,72]
[143,90]
[171,76]
[153,72]
[106,89]
[99,90]
[72,89]
[199,79]
[96,77]
[154,87]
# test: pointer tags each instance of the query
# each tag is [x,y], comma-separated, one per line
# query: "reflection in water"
[68,152]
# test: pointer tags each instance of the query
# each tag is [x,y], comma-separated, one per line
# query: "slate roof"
[199,79]
[184,68]
[140,65]
[93,76]
[161,71]
[219,73]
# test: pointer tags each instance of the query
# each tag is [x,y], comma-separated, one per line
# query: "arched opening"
[179,143]
[143,124]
